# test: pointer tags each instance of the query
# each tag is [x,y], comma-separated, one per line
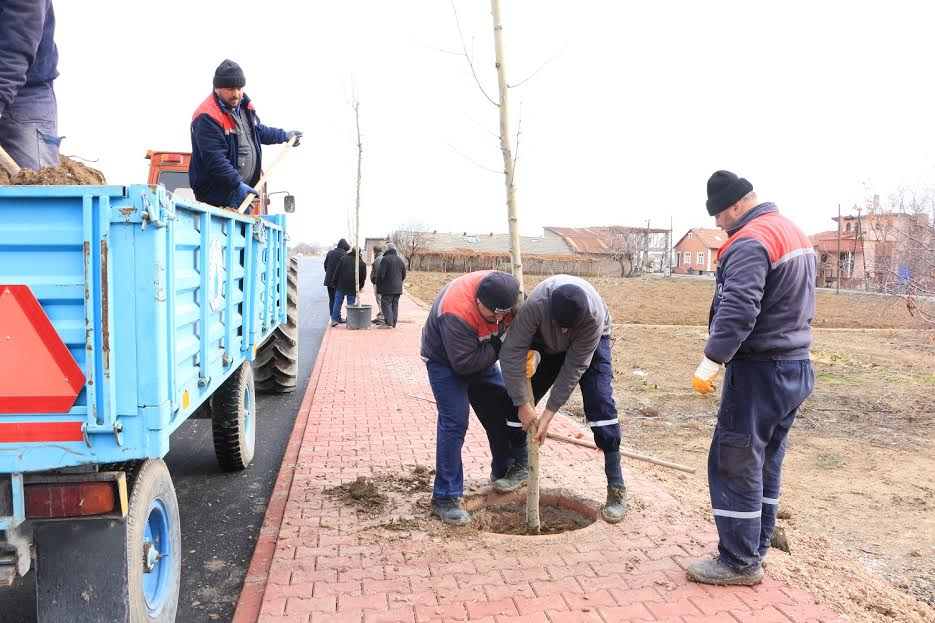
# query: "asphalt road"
[221,514]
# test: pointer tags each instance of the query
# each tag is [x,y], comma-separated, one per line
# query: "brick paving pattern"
[365,414]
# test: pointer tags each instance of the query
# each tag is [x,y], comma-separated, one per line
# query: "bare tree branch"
[443,51]
[485,129]
[901,240]
[410,240]
[476,164]
[519,126]
[468,58]
[538,69]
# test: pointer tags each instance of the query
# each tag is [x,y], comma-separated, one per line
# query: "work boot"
[450,511]
[516,476]
[342,321]
[616,506]
[334,323]
[716,572]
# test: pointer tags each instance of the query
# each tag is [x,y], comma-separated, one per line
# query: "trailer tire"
[233,420]
[276,366]
[154,544]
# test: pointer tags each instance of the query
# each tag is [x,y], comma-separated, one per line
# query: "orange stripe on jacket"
[211,108]
[779,235]
[460,299]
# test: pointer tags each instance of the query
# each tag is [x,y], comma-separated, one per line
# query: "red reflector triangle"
[37,372]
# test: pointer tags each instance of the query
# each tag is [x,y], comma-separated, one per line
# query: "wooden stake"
[632,455]
[8,163]
[265,177]
[532,490]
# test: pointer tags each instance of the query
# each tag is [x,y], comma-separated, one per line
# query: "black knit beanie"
[229,75]
[498,291]
[724,190]
[568,304]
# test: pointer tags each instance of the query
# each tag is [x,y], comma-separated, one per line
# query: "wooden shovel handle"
[8,163]
[265,177]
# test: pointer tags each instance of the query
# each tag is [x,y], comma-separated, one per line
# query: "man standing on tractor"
[28,65]
[226,139]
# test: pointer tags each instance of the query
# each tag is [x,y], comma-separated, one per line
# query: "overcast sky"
[636,105]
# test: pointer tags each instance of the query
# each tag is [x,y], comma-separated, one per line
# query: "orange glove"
[532,362]
[703,380]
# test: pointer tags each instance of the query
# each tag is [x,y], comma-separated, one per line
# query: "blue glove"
[241,193]
[297,134]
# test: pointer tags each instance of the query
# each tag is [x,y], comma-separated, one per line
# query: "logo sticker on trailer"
[217,274]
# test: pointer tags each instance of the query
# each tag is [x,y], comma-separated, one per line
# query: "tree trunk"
[505,147]
[360,158]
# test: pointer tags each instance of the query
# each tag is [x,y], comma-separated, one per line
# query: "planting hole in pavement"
[506,514]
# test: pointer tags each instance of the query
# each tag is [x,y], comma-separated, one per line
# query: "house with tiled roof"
[696,251]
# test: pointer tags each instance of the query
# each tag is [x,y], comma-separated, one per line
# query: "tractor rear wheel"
[233,420]
[276,366]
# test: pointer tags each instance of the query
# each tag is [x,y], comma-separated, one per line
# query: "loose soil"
[511,519]
[859,474]
[68,173]
[361,493]
[369,494]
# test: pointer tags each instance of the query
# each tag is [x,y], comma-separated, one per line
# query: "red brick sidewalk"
[363,416]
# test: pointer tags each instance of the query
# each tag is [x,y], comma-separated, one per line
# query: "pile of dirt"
[511,519]
[367,494]
[68,173]
[418,480]
[361,493]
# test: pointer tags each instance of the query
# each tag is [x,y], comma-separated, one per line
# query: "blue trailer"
[125,310]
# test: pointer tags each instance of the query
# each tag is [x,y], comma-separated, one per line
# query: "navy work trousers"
[339,303]
[600,410]
[29,127]
[454,394]
[758,406]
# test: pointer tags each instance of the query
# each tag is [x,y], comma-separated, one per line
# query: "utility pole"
[837,261]
[646,258]
[669,249]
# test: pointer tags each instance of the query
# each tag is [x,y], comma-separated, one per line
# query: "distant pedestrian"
[332,259]
[568,323]
[374,267]
[28,66]
[460,342]
[760,327]
[343,283]
[390,277]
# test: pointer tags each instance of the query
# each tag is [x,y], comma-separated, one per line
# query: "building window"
[688,258]
[700,258]
[848,228]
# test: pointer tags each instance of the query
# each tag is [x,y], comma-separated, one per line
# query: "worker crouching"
[460,343]
[568,323]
